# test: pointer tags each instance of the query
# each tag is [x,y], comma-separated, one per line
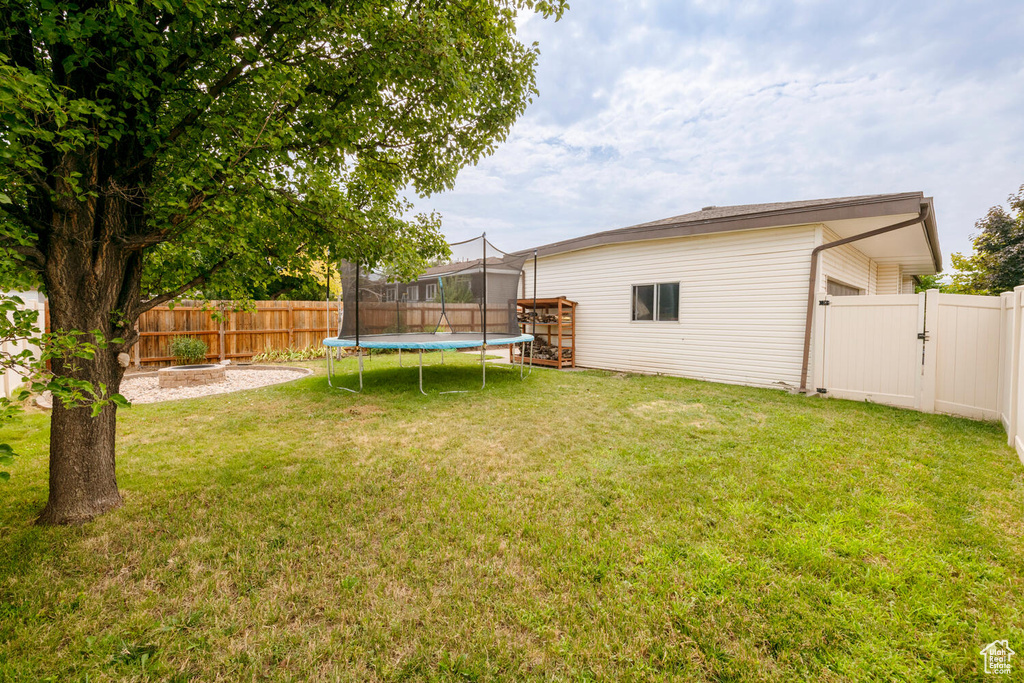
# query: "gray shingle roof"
[716,212]
[751,216]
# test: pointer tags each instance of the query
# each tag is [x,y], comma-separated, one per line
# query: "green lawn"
[575,526]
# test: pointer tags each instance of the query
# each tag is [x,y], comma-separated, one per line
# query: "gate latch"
[824,302]
[923,336]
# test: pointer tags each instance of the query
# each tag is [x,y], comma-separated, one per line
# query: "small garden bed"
[144,387]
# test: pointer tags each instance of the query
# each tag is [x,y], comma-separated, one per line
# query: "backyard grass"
[575,526]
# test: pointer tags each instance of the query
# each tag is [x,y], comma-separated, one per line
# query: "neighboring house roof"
[456,266]
[752,216]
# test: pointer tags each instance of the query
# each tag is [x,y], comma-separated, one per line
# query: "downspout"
[814,276]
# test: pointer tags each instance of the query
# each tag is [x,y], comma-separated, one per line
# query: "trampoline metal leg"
[522,360]
[483,365]
[421,374]
[399,357]
[330,374]
[454,391]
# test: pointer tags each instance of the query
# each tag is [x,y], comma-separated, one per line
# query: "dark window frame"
[655,312]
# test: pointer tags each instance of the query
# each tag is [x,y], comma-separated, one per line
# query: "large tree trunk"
[92,281]
[83,481]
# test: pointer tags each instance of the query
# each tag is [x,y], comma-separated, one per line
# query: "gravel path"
[147,390]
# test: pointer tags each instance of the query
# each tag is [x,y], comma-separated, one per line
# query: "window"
[430,292]
[389,293]
[839,289]
[656,302]
[412,293]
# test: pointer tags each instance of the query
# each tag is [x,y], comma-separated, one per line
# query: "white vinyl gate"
[931,352]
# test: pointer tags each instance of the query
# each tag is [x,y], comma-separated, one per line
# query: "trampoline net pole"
[357,317]
[444,309]
[483,246]
[327,301]
[534,331]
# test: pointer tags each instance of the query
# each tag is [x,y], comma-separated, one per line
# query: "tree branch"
[34,258]
[186,60]
[19,214]
[16,41]
[178,291]
[225,81]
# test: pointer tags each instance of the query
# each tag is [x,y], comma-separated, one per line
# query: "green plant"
[286,355]
[188,350]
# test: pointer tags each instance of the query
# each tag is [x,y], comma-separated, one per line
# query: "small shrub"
[188,350]
[286,355]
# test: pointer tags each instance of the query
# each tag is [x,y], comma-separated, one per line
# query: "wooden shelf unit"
[560,334]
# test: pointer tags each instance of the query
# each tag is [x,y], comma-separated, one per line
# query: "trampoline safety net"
[474,291]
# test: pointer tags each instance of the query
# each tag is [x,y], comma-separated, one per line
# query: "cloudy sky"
[654,108]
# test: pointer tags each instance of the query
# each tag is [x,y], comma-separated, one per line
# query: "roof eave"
[881,205]
[931,233]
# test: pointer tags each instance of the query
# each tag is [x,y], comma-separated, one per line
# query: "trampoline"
[468,302]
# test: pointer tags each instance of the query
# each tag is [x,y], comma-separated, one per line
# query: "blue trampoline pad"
[425,341]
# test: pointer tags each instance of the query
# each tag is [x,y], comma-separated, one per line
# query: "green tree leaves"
[261,131]
[997,262]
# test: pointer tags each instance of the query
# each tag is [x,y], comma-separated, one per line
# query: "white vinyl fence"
[10,380]
[933,352]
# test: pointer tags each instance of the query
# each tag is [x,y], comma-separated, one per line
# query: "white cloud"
[652,122]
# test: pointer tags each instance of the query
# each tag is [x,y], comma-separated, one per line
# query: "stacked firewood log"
[544,351]
[534,316]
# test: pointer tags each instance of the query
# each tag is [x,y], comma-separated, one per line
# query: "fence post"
[1002,387]
[220,334]
[1012,410]
[291,324]
[136,348]
[1010,368]
[931,329]
[818,344]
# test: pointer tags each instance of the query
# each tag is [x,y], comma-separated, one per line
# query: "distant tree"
[270,282]
[456,289]
[926,282]
[997,262]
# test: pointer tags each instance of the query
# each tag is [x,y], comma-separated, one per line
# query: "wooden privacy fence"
[234,335]
[937,353]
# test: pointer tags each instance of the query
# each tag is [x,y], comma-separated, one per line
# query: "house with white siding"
[722,294]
